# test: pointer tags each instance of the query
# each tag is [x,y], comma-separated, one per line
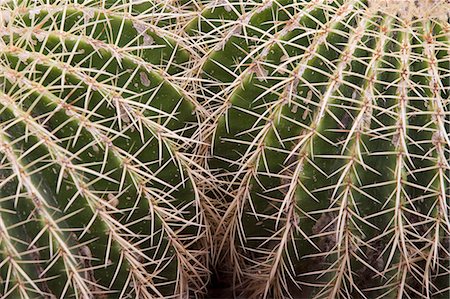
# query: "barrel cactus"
[98,196]
[332,140]
[318,129]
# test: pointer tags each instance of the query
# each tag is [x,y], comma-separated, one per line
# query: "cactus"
[331,123]
[311,136]
[98,195]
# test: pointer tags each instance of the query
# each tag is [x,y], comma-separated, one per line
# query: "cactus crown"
[409,9]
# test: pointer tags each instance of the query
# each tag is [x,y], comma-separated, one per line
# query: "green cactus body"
[333,126]
[311,135]
[96,199]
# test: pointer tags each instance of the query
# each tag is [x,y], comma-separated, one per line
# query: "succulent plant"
[332,125]
[98,196]
[312,137]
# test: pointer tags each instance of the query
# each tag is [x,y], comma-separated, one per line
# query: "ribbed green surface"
[96,197]
[310,136]
[333,126]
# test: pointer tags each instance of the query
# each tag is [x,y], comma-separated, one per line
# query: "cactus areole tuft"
[409,9]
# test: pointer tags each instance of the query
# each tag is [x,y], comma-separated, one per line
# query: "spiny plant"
[327,121]
[332,136]
[98,138]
